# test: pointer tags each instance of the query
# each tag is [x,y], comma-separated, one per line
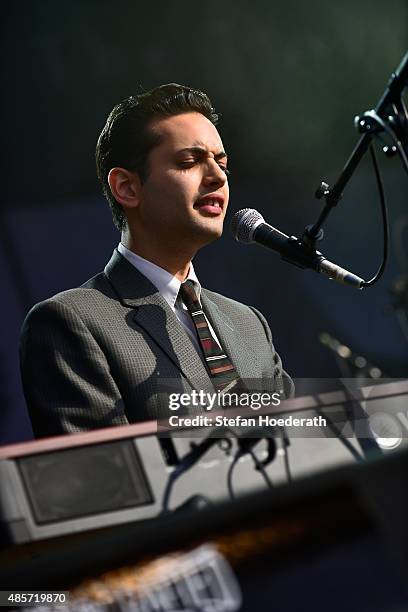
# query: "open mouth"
[211,205]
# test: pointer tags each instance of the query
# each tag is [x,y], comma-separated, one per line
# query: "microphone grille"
[244,223]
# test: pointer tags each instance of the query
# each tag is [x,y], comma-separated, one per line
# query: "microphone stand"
[390,116]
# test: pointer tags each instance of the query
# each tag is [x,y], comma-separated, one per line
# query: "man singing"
[102,354]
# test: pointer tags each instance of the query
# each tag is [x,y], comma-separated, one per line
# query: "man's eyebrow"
[203,151]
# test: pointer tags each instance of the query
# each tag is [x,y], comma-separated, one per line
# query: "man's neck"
[176,263]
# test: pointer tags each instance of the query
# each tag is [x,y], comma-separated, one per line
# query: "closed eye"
[192,162]
[188,163]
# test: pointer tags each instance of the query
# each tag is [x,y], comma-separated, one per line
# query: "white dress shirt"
[169,287]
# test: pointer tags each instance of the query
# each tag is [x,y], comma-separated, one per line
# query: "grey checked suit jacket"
[102,354]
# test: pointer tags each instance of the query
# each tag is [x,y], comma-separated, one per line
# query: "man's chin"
[198,232]
[209,232]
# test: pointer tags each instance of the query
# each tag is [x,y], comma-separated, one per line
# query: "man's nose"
[214,175]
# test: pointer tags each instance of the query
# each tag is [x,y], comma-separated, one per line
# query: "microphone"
[249,226]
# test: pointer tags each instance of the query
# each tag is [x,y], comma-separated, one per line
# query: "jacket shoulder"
[81,299]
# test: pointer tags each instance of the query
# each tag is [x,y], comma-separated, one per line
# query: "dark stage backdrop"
[287,79]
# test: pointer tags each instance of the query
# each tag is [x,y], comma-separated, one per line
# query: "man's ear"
[125,186]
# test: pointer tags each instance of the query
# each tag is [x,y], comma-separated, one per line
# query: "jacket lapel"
[154,315]
[242,354]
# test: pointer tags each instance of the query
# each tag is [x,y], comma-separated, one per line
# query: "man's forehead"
[188,130]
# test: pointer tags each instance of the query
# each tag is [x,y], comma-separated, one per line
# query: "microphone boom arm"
[392,115]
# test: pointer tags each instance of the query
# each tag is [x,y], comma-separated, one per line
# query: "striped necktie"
[222,371]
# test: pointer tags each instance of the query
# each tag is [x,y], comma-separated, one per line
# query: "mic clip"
[310,237]
[302,252]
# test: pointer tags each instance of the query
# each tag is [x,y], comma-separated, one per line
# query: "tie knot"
[188,294]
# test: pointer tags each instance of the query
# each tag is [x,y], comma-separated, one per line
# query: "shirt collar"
[167,284]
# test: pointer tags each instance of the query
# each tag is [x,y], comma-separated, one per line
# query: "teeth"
[212,203]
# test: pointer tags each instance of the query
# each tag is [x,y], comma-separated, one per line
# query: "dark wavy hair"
[126,139]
